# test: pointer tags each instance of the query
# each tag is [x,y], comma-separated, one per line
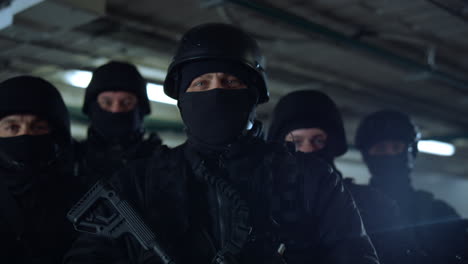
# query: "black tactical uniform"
[437,226]
[35,184]
[226,196]
[113,138]
[380,214]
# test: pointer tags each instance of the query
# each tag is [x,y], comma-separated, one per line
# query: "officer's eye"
[319,141]
[108,102]
[127,104]
[199,83]
[399,147]
[235,83]
[12,128]
[378,149]
[40,128]
[105,102]
[9,129]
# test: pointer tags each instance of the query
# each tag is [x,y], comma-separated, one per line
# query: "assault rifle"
[122,219]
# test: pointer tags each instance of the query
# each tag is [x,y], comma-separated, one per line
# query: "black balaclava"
[216,118]
[24,158]
[310,109]
[326,153]
[391,173]
[116,128]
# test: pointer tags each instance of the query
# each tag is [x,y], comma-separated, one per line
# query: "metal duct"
[50,15]
[311,27]
[9,8]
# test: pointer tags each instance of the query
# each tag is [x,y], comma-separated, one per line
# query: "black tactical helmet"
[387,125]
[309,109]
[117,76]
[32,95]
[218,41]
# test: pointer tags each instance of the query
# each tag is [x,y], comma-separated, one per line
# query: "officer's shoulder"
[161,156]
[370,194]
[275,148]
[160,165]
[278,153]
[351,184]
[437,206]
[152,138]
[149,144]
[424,196]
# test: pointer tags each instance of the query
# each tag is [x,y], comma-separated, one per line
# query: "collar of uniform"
[97,140]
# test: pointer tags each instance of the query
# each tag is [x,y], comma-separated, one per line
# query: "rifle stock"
[124,219]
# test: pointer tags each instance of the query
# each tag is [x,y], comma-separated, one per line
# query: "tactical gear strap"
[240,217]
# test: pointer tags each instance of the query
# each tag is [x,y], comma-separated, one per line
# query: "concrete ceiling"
[366,54]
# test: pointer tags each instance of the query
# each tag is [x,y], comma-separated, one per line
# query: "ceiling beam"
[309,26]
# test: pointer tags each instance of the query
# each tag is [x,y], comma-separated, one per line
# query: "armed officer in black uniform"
[116,103]
[388,141]
[226,196]
[312,122]
[35,179]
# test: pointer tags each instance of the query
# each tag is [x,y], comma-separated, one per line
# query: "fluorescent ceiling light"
[156,93]
[78,78]
[436,147]
[153,73]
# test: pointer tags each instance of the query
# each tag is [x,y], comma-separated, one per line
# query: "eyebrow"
[294,137]
[105,97]
[9,120]
[208,76]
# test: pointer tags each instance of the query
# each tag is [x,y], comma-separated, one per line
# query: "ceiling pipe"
[456,13]
[9,8]
[311,27]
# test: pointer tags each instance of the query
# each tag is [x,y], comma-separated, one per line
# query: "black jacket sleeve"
[96,250]
[342,236]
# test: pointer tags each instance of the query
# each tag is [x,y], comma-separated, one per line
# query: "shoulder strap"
[241,226]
